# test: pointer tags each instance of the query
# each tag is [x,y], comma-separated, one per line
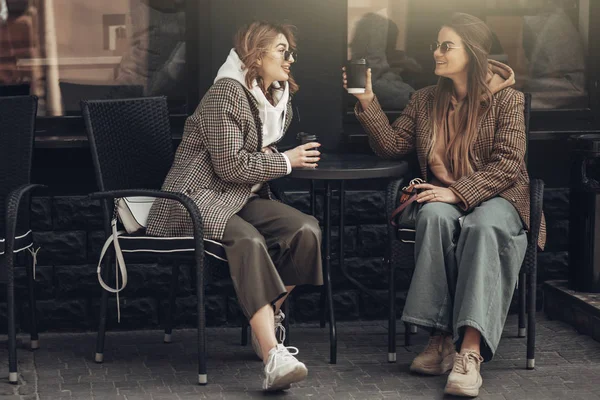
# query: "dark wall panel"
[321,29]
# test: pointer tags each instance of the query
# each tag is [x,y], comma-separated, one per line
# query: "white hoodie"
[272,117]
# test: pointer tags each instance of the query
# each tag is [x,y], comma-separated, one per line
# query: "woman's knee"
[307,231]
[252,243]
[482,227]
[436,214]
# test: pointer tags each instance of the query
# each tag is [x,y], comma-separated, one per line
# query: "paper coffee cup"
[356,74]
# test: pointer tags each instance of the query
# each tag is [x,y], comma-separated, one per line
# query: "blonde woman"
[469,135]
[226,157]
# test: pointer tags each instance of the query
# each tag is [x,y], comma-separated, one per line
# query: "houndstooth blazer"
[217,163]
[499,148]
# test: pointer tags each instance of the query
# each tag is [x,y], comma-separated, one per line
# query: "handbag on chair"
[404,217]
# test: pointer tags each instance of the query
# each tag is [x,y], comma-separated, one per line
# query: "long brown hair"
[477,41]
[253,42]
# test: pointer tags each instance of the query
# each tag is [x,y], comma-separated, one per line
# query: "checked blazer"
[499,150]
[217,163]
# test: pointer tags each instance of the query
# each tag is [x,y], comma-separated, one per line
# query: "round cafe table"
[336,169]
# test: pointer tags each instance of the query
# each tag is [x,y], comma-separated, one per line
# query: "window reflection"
[544,41]
[375,39]
[67,50]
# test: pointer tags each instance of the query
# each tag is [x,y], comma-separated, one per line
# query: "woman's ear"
[259,62]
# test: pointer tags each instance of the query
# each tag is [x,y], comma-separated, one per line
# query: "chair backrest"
[131,142]
[527,111]
[17,130]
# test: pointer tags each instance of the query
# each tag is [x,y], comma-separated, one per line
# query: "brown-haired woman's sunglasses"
[444,46]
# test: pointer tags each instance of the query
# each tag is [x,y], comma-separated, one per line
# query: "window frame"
[544,122]
[67,131]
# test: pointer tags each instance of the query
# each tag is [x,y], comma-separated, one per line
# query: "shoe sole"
[440,369]
[458,390]
[284,382]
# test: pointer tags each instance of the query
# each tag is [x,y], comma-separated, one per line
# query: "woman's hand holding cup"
[304,156]
[365,98]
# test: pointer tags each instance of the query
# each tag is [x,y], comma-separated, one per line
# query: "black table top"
[352,166]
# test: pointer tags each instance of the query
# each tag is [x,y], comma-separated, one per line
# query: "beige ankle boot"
[437,358]
[465,379]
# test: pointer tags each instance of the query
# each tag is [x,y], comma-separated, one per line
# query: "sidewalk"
[139,366]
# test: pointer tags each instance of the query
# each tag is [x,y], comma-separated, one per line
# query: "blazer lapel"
[254,109]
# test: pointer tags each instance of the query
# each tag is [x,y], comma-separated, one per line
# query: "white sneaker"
[279,334]
[283,369]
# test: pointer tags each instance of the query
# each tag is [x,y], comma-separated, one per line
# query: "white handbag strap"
[119,265]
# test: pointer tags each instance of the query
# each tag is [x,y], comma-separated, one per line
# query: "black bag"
[405,216]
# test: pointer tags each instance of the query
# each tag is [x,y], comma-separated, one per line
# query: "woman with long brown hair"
[226,157]
[469,135]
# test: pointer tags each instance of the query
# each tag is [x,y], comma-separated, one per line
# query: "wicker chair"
[132,151]
[401,255]
[17,119]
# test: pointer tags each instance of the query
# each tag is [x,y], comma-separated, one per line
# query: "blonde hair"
[477,41]
[253,41]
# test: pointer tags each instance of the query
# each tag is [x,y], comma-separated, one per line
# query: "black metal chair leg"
[35,343]
[392,312]
[12,331]
[531,292]
[172,303]
[202,375]
[99,356]
[286,321]
[522,288]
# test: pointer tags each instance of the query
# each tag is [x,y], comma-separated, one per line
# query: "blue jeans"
[466,269]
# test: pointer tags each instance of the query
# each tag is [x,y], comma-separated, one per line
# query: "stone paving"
[139,366]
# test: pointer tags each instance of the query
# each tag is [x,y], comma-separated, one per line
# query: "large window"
[67,50]
[544,41]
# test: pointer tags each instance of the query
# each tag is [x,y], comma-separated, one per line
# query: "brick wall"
[69,231]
